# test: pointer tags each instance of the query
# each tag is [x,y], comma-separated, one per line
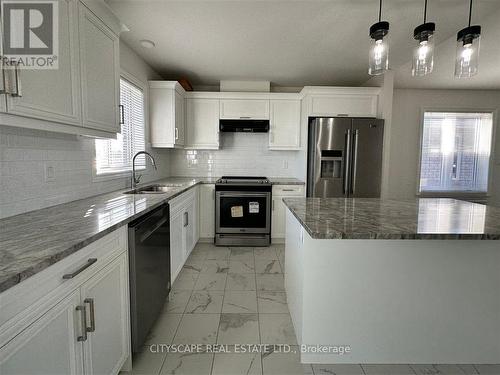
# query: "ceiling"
[295,42]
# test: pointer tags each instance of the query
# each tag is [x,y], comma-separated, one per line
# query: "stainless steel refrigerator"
[344,157]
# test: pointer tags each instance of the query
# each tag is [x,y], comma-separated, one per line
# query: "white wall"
[24,155]
[405,133]
[239,154]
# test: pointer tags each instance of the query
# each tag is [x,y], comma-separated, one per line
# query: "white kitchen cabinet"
[52,94]
[177,244]
[207,211]
[100,72]
[46,321]
[344,104]
[184,233]
[166,113]
[107,346]
[284,132]
[202,123]
[48,346]
[256,109]
[278,212]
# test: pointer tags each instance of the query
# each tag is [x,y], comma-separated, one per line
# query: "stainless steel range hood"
[244,125]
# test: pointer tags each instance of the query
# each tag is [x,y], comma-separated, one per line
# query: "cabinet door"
[53,95]
[177,243]
[278,218]
[99,60]
[107,301]
[244,109]
[285,125]
[202,123]
[179,120]
[207,211]
[190,227]
[48,346]
[352,105]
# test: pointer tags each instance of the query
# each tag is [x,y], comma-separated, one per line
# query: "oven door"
[243,212]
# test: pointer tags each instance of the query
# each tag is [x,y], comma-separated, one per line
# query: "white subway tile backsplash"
[25,155]
[239,154]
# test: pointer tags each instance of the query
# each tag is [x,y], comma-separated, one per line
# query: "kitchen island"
[383,281]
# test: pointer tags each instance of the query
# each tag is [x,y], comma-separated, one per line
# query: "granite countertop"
[33,241]
[366,218]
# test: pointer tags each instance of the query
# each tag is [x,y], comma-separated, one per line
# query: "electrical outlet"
[50,173]
[285,164]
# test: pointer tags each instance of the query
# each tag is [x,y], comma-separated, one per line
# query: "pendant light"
[423,53]
[379,48]
[467,58]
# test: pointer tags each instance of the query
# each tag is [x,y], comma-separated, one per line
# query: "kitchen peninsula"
[397,282]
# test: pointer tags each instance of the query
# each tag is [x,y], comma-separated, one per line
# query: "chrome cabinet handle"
[273,204]
[90,262]
[244,117]
[83,322]
[176,133]
[17,80]
[186,219]
[288,190]
[90,301]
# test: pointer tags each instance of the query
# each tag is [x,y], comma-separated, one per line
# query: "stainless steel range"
[243,211]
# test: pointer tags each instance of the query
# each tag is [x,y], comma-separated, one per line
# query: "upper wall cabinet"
[166,113]
[202,123]
[100,72]
[342,101]
[81,96]
[284,133]
[51,94]
[244,109]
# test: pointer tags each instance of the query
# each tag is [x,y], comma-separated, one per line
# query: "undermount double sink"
[155,189]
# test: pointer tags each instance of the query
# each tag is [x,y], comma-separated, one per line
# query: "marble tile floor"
[231,296]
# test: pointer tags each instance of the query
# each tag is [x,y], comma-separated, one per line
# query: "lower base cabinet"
[48,346]
[184,233]
[278,212]
[86,332]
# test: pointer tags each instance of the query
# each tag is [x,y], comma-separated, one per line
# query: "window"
[115,155]
[455,153]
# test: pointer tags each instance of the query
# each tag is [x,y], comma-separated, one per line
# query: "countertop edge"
[389,236]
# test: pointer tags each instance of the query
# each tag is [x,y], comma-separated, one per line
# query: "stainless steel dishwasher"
[149,263]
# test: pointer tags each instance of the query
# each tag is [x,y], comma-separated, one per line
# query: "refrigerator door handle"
[354,161]
[347,164]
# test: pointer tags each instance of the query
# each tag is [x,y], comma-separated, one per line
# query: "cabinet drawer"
[180,202]
[288,190]
[244,109]
[25,302]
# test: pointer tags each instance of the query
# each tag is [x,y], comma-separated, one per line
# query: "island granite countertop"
[367,218]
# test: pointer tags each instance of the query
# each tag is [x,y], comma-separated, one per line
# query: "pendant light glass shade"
[423,53]
[467,58]
[379,49]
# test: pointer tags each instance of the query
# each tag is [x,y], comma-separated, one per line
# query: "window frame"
[457,194]
[143,86]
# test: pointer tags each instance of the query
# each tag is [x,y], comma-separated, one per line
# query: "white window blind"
[115,155]
[456,151]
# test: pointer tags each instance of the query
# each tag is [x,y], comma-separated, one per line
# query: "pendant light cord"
[470,12]
[425,11]
[380,11]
